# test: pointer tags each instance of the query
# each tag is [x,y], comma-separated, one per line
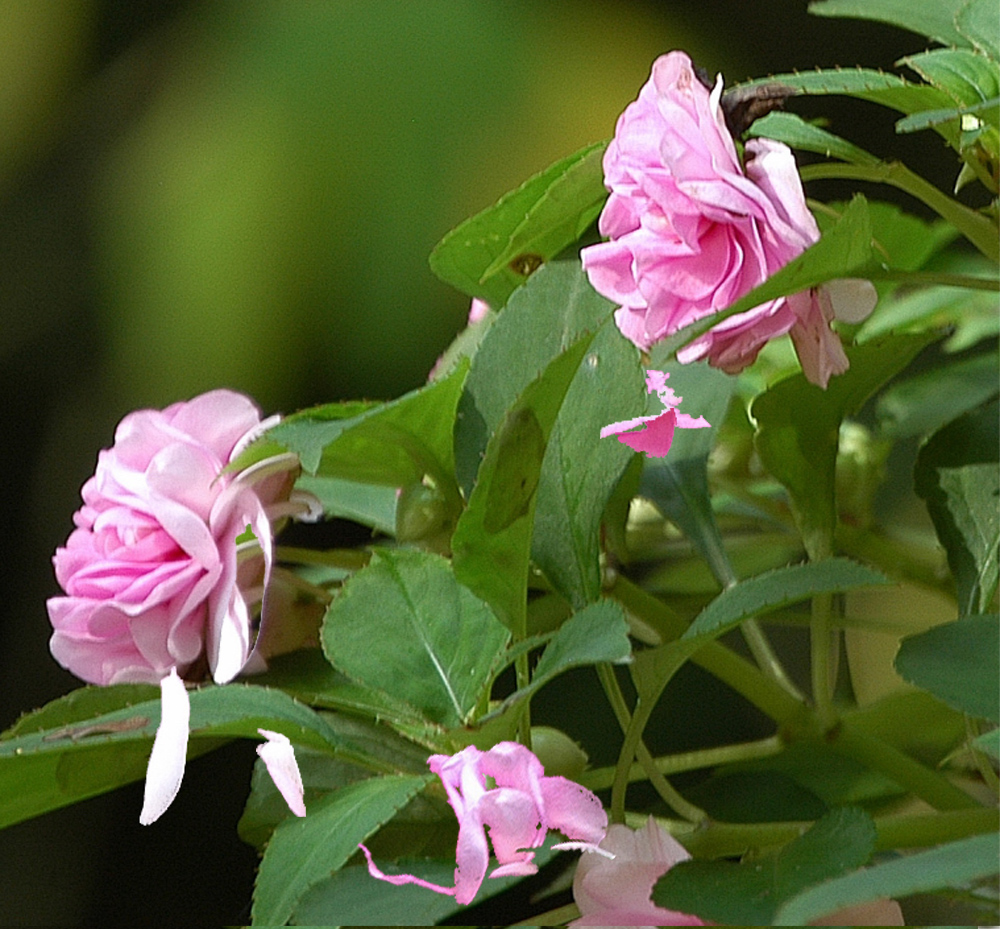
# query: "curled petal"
[279,758]
[399,879]
[166,761]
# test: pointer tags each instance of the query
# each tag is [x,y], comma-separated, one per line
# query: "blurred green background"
[244,194]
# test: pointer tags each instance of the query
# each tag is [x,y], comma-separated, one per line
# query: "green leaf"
[939,868]
[393,443]
[794,131]
[924,403]
[533,223]
[492,542]
[751,892]
[561,214]
[976,20]
[85,703]
[775,589]
[989,742]
[957,476]
[958,662]
[347,898]
[303,852]
[597,633]
[967,77]
[62,763]
[368,504]
[798,428]
[437,642]
[580,471]
[875,86]
[308,676]
[678,483]
[932,18]
[543,319]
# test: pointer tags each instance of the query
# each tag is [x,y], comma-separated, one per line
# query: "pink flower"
[692,229]
[519,810]
[657,432]
[157,588]
[616,891]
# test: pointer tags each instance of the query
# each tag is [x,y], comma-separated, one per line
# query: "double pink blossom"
[519,809]
[692,229]
[657,432]
[157,586]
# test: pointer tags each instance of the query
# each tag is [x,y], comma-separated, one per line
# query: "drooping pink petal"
[169,755]
[279,758]
[400,879]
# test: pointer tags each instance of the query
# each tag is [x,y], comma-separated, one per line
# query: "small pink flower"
[616,891]
[156,586]
[657,432]
[691,230]
[519,810]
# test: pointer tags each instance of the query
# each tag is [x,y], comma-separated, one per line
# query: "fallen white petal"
[166,761]
[279,758]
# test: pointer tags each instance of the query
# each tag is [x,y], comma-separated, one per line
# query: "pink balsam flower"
[519,810]
[691,230]
[157,589]
[657,432]
[615,891]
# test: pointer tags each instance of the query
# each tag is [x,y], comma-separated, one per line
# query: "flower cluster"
[692,229]
[170,554]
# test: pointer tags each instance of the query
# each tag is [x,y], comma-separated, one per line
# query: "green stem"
[602,778]
[522,673]
[637,749]
[926,278]
[348,559]
[741,675]
[821,644]
[557,917]
[726,840]
[978,229]
[921,781]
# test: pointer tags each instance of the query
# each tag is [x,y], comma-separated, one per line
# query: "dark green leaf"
[491,552]
[922,404]
[581,471]
[437,642]
[304,852]
[967,77]
[546,212]
[79,755]
[678,483]
[958,662]
[957,476]
[560,215]
[393,444]
[751,892]
[368,504]
[778,588]
[542,320]
[932,18]
[946,866]
[977,22]
[798,427]
[794,131]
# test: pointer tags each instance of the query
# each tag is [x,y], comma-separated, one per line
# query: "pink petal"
[573,810]
[655,437]
[279,758]
[400,879]
[166,761]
